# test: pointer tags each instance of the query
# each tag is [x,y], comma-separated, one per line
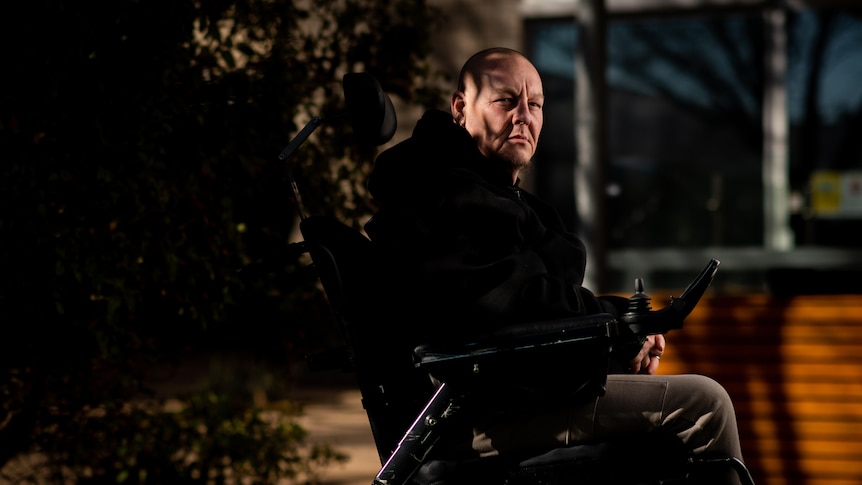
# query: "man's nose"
[522,115]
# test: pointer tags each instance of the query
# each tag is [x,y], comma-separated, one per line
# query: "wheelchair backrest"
[393,390]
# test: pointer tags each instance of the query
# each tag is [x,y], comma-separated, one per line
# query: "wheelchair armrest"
[518,337]
[527,357]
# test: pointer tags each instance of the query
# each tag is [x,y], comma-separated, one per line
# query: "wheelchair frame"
[409,414]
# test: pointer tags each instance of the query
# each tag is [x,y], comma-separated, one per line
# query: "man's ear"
[458,103]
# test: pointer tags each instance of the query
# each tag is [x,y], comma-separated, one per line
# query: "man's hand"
[647,360]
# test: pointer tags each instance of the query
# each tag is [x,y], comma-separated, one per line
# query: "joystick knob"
[640,301]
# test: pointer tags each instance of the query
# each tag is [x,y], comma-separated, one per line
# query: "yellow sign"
[825,195]
[836,194]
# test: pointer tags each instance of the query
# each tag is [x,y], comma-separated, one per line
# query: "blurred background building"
[694,129]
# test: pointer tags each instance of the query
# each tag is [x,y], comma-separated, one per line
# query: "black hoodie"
[462,250]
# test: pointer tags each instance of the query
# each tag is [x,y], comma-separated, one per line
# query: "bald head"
[477,63]
[499,102]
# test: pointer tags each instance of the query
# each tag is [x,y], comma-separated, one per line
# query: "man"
[469,251]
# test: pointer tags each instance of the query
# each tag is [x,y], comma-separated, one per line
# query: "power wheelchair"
[419,399]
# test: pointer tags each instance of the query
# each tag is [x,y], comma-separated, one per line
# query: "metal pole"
[777,235]
[590,134]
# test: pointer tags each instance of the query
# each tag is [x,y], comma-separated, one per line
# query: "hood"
[437,147]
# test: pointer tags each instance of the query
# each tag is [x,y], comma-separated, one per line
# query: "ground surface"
[334,414]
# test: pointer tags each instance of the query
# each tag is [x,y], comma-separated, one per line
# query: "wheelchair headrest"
[372,115]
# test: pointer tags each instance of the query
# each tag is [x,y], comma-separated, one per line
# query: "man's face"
[501,107]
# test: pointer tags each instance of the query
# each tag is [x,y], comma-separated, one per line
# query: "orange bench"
[793,366]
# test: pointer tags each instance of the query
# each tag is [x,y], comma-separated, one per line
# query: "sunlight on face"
[501,107]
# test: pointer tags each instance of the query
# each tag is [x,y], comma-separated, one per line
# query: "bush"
[139,173]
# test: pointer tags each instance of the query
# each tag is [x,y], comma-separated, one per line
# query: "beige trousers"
[693,407]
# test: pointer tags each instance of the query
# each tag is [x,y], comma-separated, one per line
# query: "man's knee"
[701,412]
[701,389]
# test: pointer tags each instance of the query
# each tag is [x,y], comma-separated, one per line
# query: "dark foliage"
[139,147]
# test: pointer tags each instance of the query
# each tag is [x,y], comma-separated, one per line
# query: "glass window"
[825,106]
[684,129]
[685,132]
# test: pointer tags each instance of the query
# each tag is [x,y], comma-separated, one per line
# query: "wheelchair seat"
[663,462]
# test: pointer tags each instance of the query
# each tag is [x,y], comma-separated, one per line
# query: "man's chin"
[520,158]
[517,158]
[522,166]
[518,163]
